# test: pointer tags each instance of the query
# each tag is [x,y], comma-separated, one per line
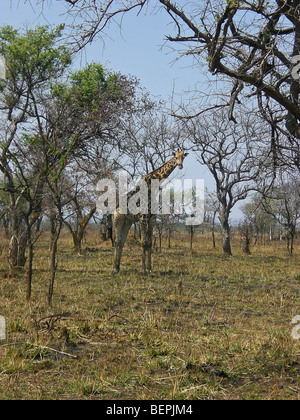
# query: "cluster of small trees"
[267,218]
[62,130]
[245,126]
[275,213]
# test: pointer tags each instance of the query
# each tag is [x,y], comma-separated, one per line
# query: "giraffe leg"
[144,268]
[149,245]
[121,231]
[149,250]
[143,224]
[146,239]
[117,257]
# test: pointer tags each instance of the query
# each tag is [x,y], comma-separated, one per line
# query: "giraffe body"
[123,222]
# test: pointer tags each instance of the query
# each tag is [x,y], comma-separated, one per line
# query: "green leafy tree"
[255,44]
[33,58]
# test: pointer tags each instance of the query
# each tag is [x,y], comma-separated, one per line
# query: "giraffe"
[123,222]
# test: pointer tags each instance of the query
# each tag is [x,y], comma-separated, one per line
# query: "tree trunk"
[29,270]
[79,232]
[38,224]
[292,123]
[13,252]
[291,238]
[292,245]
[226,238]
[6,225]
[224,219]
[213,239]
[22,249]
[52,229]
[191,236]
[17,251]
[77,241]
[169,238]
[213,232]
[246,244]
[55,232]
[160,239]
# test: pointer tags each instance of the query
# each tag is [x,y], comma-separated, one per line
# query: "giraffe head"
[180,155]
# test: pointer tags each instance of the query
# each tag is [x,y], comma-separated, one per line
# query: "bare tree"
[149,138]
[80,207]
[282,202]
[83,118]
[255,44]
[229,153]
[212,209]
[245,229]
[255,214]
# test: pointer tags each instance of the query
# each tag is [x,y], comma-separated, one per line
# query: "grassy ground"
[202,326]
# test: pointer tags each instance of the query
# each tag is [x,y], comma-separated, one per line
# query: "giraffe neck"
[163,172]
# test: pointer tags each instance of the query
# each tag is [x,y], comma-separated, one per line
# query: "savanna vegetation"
[214,318]
[202,326]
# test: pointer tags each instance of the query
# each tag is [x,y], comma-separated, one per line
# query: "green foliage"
[33,56]
[266,37]
[233,3]
[88,88]
[32,140]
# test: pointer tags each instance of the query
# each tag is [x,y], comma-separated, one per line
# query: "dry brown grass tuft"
[202,326]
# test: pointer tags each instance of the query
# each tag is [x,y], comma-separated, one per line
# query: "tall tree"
[82,117]
[33,58]
[282,202]
[253,43]
[229,153]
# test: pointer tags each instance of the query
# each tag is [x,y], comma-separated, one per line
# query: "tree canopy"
[254,44]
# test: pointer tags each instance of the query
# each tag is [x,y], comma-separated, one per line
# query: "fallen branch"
[56,351]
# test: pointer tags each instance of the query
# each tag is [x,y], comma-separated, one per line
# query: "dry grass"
[202,326]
